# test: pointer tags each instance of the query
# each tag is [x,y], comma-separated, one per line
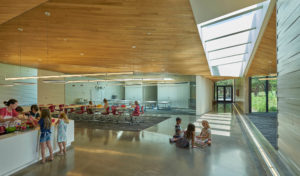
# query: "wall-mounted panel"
[288,57]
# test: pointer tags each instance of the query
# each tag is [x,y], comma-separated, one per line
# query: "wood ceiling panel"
[99,35]
[12,8]
[264,61]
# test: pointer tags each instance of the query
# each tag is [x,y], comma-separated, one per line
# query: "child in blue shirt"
[45,130]
[178,130]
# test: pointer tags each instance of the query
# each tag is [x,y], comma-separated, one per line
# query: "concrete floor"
[107,152]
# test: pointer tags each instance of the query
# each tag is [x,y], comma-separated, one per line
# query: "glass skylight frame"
[229,40]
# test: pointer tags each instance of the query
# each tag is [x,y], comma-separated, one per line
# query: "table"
[151,104]
[165,103]
[22,149]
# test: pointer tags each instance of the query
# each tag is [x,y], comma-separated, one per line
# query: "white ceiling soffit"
[229,40]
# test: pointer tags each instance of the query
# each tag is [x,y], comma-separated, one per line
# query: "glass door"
[228,93]
[224,94]
[220,93]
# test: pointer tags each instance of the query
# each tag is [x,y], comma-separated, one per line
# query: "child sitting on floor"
[188,138]
[204,137]
[178,130]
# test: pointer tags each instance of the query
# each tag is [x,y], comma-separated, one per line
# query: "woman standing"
[9,113]
[106,107]
[136,111]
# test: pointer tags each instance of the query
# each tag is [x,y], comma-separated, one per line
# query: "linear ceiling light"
[17,84]
[122,80]
[68,76]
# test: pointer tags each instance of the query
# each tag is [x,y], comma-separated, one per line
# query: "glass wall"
[263,94]
[272,91]
[258,95]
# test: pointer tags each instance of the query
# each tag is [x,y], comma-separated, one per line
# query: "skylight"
[229,40]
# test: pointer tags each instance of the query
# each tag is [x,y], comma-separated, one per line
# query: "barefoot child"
[204,137]
[61,132]
[45,129]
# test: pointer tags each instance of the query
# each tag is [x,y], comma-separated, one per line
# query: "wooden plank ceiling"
[12,8]
[265,58]
[94,36]
[106,36]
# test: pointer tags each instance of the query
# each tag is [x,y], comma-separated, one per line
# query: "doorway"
[224,93]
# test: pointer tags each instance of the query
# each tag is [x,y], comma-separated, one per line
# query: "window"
[263,94]
[229,40]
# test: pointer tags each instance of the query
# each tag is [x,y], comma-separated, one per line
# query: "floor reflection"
[147,153]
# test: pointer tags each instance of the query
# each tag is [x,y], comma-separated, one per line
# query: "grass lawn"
[259,102]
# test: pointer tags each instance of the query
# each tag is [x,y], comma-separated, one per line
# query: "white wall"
[204,95]
[50,93]
[177,94]
[25,94]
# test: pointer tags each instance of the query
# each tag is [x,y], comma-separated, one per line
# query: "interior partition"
[177,95]
[50,93]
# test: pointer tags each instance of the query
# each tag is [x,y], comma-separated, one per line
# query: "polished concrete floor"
[148,152]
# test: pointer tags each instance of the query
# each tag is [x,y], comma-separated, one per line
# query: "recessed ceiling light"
[81,54]
[47,13]
[20,29]
[133,46]
[149,33]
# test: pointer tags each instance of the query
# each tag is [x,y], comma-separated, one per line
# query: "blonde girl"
[62,132]
[205,135]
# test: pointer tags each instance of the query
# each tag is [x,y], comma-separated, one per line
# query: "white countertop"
[21,149]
